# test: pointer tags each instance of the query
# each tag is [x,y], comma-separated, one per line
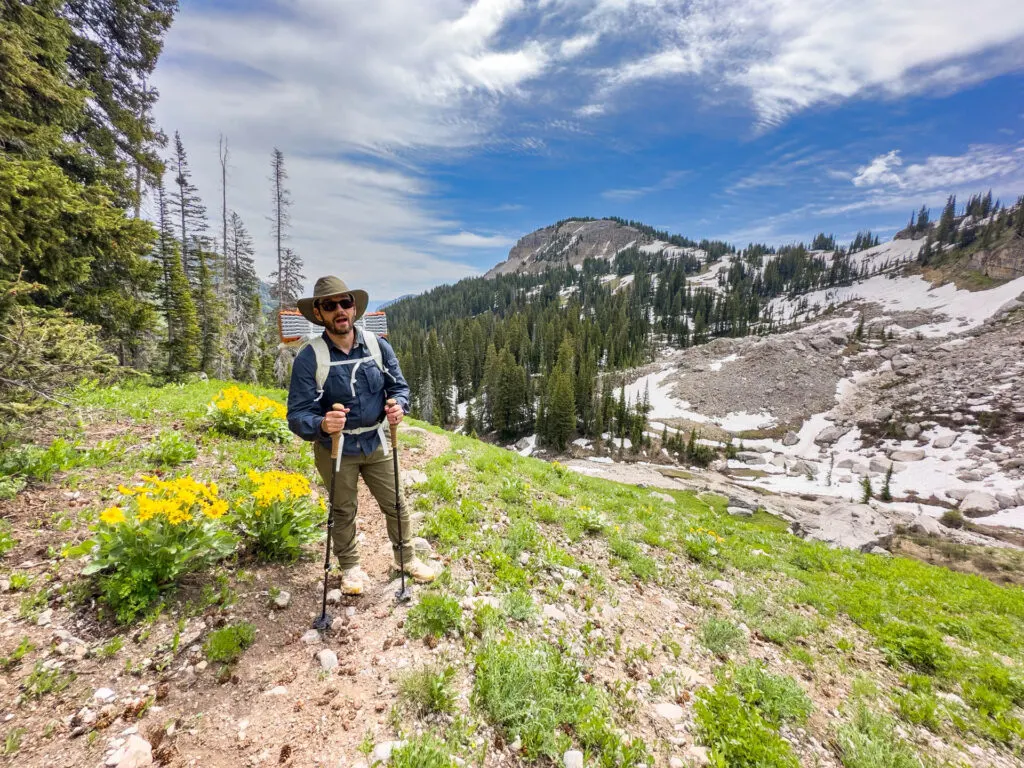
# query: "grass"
[721,636]
[870,740]
[43,681]
[14,658]
[428,690]
[226,645]
[532,691]
[170,449]
[435,615]
[7,540]
[12,741]
[425,751]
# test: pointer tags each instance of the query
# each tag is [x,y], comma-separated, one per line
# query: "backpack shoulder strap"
[323,361]
[373,347]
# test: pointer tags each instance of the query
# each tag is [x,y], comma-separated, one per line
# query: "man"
[361,386]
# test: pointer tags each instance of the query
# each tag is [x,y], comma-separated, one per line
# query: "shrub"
[163,530]
[737,733]
[227,644]
[279,516]
[434,615]
[10,487]
[170,449]
[590,520]
[519,605]
[428,690]
[778,698]
[530,690]
[870,741]
[952,518]
[42,681]
[237,412]
[35,463]
[721,636]
[701,544]
[424,751]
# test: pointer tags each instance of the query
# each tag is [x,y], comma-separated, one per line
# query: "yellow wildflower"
[112,515]
[216,510]
[177,516]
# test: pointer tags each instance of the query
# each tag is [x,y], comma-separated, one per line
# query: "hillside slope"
[639,627]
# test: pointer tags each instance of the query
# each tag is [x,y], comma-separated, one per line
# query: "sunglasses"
[329,305]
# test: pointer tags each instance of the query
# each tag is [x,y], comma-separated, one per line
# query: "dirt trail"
[278,707]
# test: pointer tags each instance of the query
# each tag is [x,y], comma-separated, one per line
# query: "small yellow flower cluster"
[112,515]
[707,532]
[176,500]
[278,486]
[246,402]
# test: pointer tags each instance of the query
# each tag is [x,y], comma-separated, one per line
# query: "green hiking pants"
[379,475]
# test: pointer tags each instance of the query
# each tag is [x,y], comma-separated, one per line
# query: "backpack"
[324,364]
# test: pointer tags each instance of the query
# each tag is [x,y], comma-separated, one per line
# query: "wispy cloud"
[473,240]
[668,181]
[980,164]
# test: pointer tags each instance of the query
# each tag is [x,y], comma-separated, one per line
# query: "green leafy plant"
[7,540]
[20,581]
[435,615]
[870,741]
[532,691]
[36,463]
[702,545]
[14,659]
[43,681]
[737,733]
[590,520]
[778,698]
[111,647]
[425,751]
[518,604]
[170,449]
[163,530]
[234,411]
[428,690]
[10,487]
[278,516]
[227,644]
[720,636]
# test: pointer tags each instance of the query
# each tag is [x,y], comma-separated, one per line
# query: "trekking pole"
[404,594]
[337,440]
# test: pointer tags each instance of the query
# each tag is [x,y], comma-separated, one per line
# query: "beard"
[340,325]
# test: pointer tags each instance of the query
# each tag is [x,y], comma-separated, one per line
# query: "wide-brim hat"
[331,286]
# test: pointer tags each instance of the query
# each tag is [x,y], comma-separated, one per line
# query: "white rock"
[45,618]
[914,454]
[791,438]
[675,762]
[135,753]
[103,695]
[739,511]
[282,599]
[912,431]
[698,756]
[278,690]
[977,504]
[573,759]
[311,637]
[724,586]
[382,752]
[334,597]
[663,497]
[328,659]
[944,441]
[554,613]
[1006,500]
[413,477]
[669,711]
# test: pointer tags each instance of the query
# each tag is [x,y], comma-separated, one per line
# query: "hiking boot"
[420,571]
[352,581]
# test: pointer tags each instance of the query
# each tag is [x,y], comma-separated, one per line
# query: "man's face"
[335,317]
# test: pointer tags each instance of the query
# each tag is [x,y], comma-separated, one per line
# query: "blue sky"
[423,139]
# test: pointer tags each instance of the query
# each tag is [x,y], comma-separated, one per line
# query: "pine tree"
[290,282]
[189,211]
[281,203]
[426,398]
[246,316]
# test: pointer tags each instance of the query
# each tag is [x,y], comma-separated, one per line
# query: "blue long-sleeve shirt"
[366,404]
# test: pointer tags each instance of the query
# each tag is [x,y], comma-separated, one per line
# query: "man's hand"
[394,413]
[334,421]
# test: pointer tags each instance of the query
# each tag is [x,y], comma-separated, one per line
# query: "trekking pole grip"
[336,437]
[393,427]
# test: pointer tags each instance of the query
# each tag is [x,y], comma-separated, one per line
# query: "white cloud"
[473,240]
[879,171]
[790,55]
[982,163]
